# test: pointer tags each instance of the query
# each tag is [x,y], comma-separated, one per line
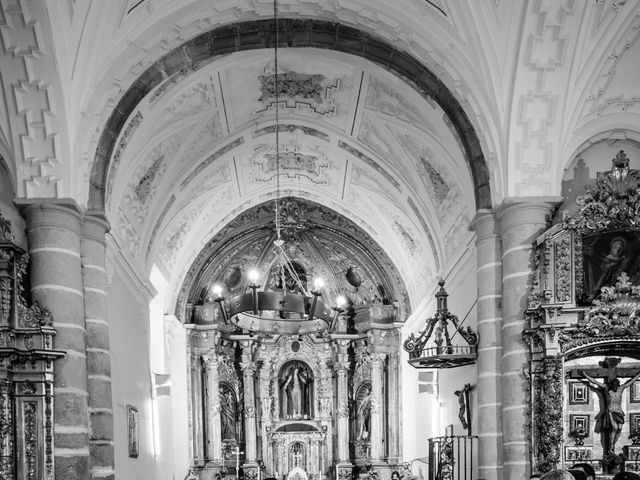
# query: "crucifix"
[610,418]
[238,453]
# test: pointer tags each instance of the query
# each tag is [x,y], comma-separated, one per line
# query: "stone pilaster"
[94,276]
[489,387]
[195,387]
[394,396]
[214,442]
[377,401]
[53,233]
[520,224]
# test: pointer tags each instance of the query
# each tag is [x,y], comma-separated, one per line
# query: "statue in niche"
[610,418]
[295,386]
[363,413]
[228,413]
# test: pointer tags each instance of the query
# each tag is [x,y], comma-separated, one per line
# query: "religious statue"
[227,414]
[610,418]
[463,403]
[363,415]
[296,393]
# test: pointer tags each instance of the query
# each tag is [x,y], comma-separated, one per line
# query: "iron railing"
[451,457]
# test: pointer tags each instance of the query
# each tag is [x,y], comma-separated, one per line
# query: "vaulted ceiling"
[103,105]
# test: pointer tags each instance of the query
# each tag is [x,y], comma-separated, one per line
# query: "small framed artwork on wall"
[634,392]
[578,393]
[579,424]
[132,429]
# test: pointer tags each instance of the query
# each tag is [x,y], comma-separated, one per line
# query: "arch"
[292,33]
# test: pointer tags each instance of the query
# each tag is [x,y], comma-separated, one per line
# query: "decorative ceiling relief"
[214,179]
[127,235]
[210,159]
[364,178]
[292,128]
[147,178]
[203,140]
[369,161]
[172,81]
[312,90]
[200,98]
[427,231]
[436,179]
[122,145]
[373,134]
[454,238]
[293,163]
[406,240]
[384,99]
[611,93]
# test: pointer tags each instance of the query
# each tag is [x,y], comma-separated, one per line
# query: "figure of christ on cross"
[610,418]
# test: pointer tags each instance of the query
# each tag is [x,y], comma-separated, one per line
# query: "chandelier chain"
[276,87]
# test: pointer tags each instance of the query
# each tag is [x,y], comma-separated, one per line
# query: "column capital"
[516,211]
[95,226]
[43,212]
[485,224]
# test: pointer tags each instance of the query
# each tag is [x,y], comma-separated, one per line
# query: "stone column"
[195,387]
[377,401]
[248,374]
[214,441]
[520,224]
[342,370]
[489,387]
[94,276]
[53,232]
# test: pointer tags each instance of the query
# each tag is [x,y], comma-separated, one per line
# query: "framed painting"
[578,393]
[606,256]
[634,422]
[132,429]
[634,393]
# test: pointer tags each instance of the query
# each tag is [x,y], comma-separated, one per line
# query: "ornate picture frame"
[133,433]
[579,422]
[578,394]
[634,422]
[634,393]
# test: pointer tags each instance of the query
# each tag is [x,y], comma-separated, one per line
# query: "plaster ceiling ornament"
[613,202]
[373,133]
[292,162]
[311,90]
[142,188]
[382,98]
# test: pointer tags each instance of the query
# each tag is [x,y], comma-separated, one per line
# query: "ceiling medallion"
[288,308]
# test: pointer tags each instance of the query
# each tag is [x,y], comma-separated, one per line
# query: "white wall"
[426,415]
[130,369]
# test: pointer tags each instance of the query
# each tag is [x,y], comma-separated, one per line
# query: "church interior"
[319,239]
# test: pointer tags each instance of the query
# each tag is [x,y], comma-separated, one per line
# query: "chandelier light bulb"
[341,301]
[253,275]
[318,283]
[217,290]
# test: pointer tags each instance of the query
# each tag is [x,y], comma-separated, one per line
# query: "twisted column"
[489,388]
[520,224]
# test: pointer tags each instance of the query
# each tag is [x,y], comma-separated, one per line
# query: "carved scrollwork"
[547,409]
[562,269]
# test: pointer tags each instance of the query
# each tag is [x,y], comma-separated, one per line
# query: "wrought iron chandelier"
[284,312]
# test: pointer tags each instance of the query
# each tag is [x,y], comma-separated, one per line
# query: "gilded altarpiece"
[327,405]
[583,324]
[26,371]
